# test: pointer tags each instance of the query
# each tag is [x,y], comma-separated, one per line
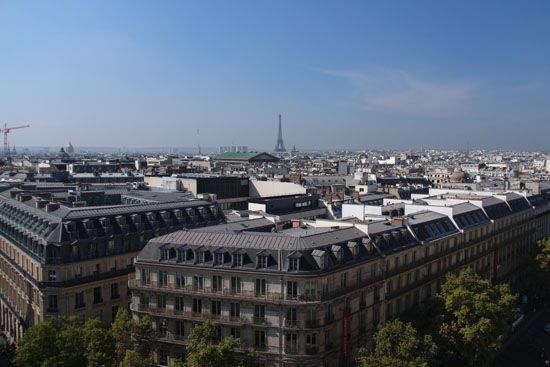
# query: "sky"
[344,74]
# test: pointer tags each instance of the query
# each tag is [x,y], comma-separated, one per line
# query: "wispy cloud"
[396,91]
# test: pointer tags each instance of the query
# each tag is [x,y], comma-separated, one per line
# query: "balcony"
[312,350]
[312,324]
[291,323]
[258,320]
[291,349]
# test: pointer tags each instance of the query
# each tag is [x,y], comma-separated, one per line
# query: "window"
[311,340]
[219,258]
[261,286]
[161,301]
[178,303]
[201,256]
[197,305]
[217,283]
[291,316]
[292,290]
[163,358]
[259,312]
[236,284]
[163,279]
[259,338]
[145,276]
[97,295]
[114,311]
[216,308]
[198,282]
[114,291]
[180,279]
[237,259]
[52,276]
[52,303]
[343,280]
[236,333]
[180,328]
[235,309]
[293,264]
[291,342]
[262,261]
[79,300]
[144,299]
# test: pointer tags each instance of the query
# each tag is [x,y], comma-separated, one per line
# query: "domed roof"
[457,176]
[69,148]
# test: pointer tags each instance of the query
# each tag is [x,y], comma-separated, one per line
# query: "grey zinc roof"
[259,240]
[239,226]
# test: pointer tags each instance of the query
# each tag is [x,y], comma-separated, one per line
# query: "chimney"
[50,207]
[40,204]
[296,223]
[399,220]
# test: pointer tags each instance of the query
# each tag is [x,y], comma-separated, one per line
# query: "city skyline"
[358,76]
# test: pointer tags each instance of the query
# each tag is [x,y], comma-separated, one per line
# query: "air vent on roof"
[40,204]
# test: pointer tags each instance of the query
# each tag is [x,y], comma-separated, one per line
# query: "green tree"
[476,315]
[121,330]
[542,258]
[54,342]
[143,337]
[203,350]
[133,359]
[100,345]
[397,344]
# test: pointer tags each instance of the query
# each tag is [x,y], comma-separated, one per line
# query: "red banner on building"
[345,336]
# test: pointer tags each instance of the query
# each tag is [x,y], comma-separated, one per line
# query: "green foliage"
[63,342]
[397,344]
[542,257]
[99,345]
[203,350]
[475,317]
[122,333]
[143,337]
[133,359]
[55,342]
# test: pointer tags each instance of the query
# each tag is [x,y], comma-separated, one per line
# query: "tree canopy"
[476,315]
[397,344]
[64,342]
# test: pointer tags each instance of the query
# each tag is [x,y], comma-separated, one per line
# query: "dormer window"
[220,258]
[338,253]
[181,255]
[237,259]
[262,261]
[121,220]
[354,248]
[293,264]
[136,218]
[164,254]
[201,256]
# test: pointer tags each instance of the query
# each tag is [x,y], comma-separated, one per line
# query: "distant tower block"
[280,147]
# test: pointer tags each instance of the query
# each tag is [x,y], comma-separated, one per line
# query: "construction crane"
[6,130]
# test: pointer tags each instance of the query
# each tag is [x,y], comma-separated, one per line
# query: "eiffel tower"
[280,146]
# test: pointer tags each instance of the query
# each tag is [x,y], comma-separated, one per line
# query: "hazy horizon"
[354,75]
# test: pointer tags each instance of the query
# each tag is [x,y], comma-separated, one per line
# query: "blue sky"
[344,74]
